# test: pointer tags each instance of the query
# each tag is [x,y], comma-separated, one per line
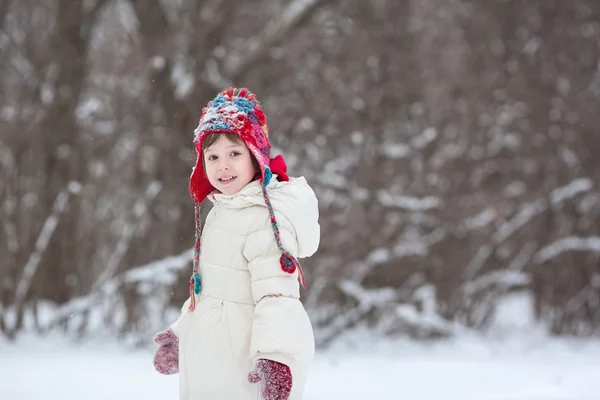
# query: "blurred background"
[453,146]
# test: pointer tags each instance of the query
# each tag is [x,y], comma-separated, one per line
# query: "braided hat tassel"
[195,279]
[288,262]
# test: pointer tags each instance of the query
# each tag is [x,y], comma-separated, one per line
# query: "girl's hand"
[276,379]
[166,358]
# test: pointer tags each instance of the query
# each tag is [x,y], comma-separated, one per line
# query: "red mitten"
[276,379]
[166,359]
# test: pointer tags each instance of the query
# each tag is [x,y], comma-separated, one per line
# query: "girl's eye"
[212,158]
[236,153]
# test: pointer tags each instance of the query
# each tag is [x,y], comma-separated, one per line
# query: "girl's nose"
[223,166]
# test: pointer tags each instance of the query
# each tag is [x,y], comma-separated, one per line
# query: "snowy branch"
[505,279]
[523,257]
[92,17]
[571,243]
[333,172]
[215,77]
[22,62]
[405,248]
[481,220]
[527,213]
[367,300]
[275,32]
[160,271]
[577,186]
[139,209]
[12,239]
[374,258]
[41,244]
[409,314]
[424,139]
[483,254]
[8,162]
[397,151]
[409,203]
[6,158]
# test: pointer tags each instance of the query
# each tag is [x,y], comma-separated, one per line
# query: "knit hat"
[237,111]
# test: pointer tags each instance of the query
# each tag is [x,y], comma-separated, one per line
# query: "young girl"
[243,334]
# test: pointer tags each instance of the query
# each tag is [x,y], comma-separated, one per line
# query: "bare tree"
[451,145]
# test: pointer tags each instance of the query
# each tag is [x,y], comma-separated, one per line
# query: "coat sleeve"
[281,329]
[175,325]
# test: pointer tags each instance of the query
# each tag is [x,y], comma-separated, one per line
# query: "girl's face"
[228,165]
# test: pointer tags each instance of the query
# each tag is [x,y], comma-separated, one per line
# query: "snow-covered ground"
[514,361]
[465,369]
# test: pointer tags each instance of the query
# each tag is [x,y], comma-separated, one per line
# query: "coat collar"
[294,200]
[252,189]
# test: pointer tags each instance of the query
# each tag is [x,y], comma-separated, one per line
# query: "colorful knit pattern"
[237,111]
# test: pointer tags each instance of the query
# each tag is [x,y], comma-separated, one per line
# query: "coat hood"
[294,199]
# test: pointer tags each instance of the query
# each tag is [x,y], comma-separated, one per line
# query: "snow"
[481,220]
[395,150]
[428,136]
[408,202]
[580,185]
[158,271]
[402,150]
[513,360]
[89,107]
[526,214]
[53,368]
[504,278]
[183,81]
[571,243]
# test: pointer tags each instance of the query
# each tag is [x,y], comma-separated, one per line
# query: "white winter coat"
[248,307]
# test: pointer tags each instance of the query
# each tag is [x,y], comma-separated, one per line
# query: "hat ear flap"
[200,186]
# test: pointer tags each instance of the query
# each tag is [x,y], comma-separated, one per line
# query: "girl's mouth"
[226,180]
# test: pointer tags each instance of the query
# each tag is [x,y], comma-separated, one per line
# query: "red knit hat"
[235,111]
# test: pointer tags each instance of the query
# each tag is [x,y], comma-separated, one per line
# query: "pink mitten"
[276,379]
[166,359]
